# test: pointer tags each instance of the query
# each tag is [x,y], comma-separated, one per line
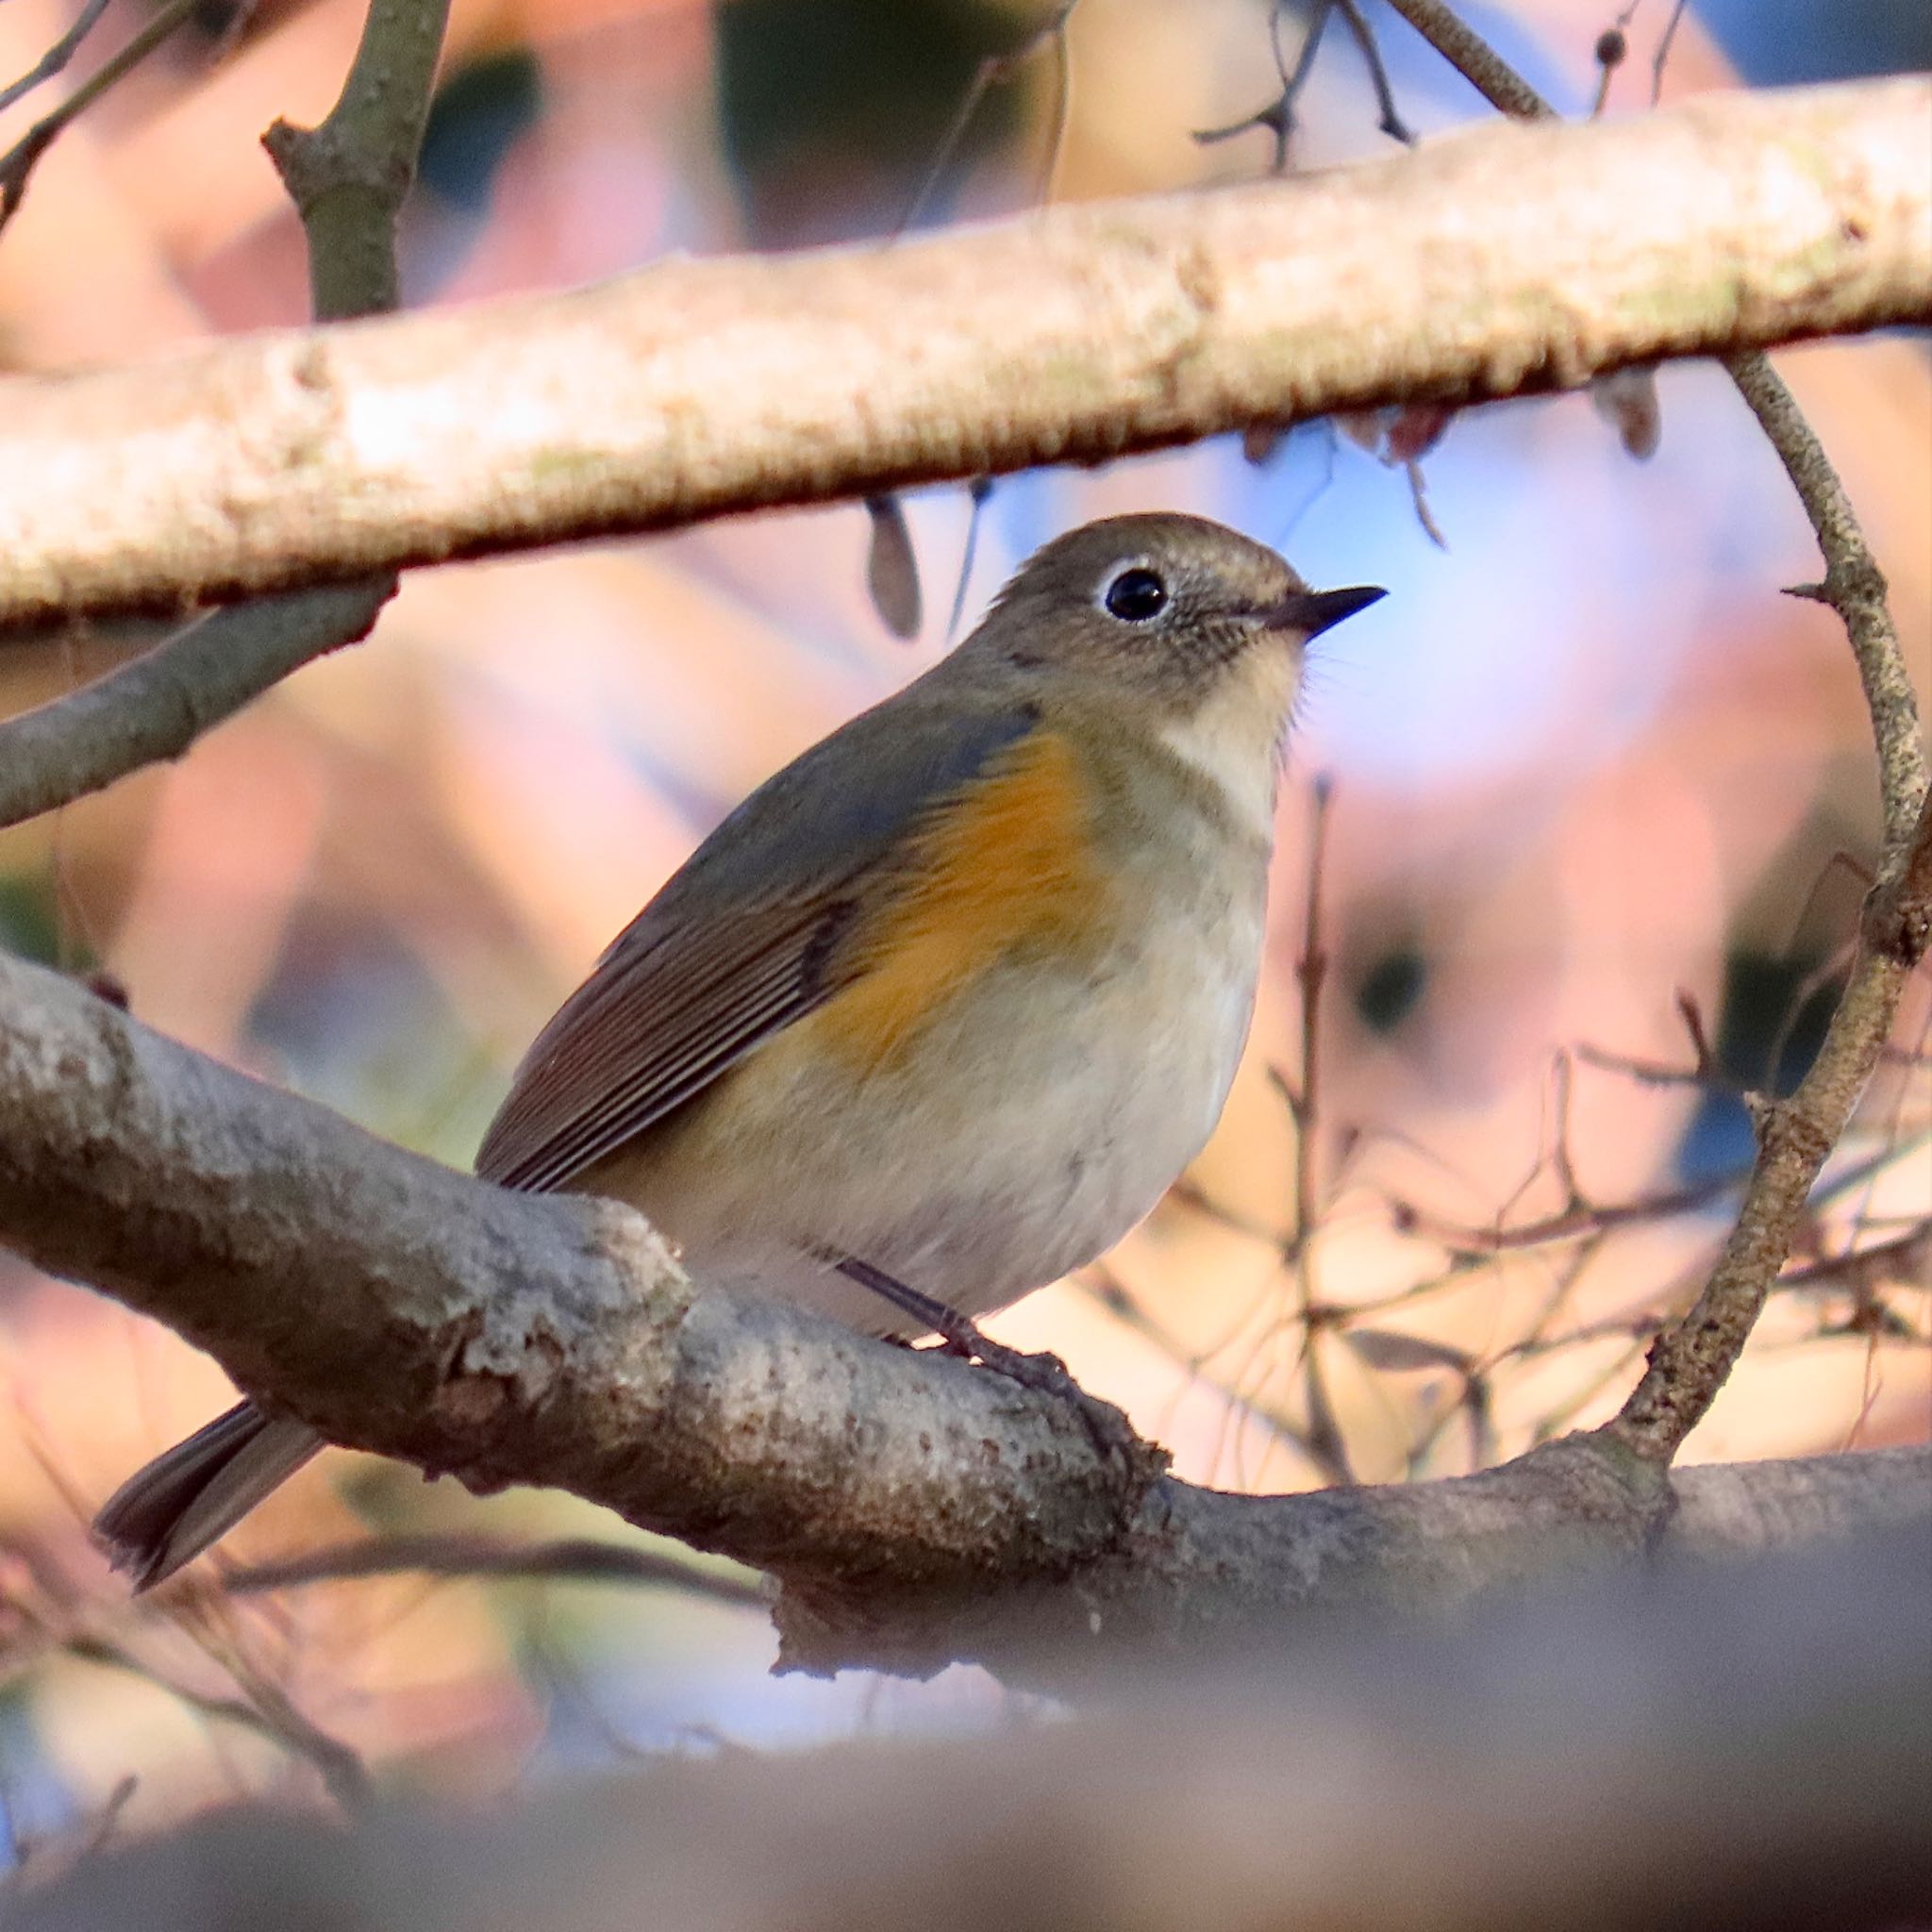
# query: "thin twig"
[1906,1259]
[348,178]
[1326,1439]
[19,161]
[56,57]
[976,493]
[155,707]
[570,1560]
[1278,116]
[1795,1137]
[276,1718]
[1473,59]
[1690,1362]
[1577,1221]
[1391,123]
[1112,1294]
[1661,58]
[991,70]
[1855,587]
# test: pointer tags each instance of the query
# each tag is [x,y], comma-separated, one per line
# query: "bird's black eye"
[1136,596]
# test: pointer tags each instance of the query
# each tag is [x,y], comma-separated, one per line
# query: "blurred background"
[1579,814]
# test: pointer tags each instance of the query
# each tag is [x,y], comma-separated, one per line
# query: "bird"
[940,1010]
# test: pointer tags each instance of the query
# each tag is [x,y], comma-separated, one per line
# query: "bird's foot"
[1112,1432]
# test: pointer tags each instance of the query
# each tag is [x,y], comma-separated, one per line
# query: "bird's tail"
[166,1514]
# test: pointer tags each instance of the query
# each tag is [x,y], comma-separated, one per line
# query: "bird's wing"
[743,939]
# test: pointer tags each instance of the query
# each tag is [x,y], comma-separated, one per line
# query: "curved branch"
[1855,587]
[1500,262]
[913,1509]
[1690,1363]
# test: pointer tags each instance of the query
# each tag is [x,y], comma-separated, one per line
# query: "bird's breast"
[1007,868]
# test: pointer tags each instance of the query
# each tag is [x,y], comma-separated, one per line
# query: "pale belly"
[1037,1120]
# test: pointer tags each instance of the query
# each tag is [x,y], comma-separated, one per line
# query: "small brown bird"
[942,1010]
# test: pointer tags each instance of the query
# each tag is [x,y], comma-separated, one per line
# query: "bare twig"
[348,178]
[1855,587]
[1907,1258]
[56,57]
[17,164]
[1473,59]
[1279,117]
[572,1559]
[993,71]
[268,1712]
[1326,1442]
[1690,1362]
[1795,1137]
[1661,58]
[158,706]
[1577,1219]
[1612,49]
[1127,1307]
[1391,123]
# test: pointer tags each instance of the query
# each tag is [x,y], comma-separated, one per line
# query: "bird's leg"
[1108,1427]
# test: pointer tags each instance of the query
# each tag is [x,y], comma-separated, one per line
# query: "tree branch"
[157,705]
[1504,261]
[18,163]
[568,1559]
[1855,587]
[1473,59]
[348,178]
[913,1509]
[56,57]
[1690,1363]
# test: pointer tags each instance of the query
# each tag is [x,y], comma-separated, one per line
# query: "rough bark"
[913,1509]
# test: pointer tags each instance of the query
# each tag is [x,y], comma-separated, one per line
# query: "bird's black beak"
[1314,612]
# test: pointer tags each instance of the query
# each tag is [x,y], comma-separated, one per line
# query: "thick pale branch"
[913,1509]
[1497,262]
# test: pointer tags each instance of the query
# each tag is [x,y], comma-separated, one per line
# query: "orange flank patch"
[1008,862]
